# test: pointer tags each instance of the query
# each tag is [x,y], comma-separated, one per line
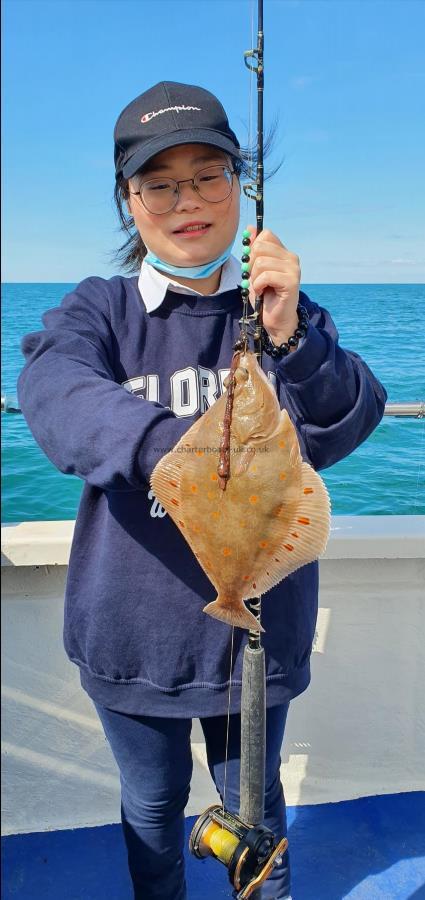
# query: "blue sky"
[345,78]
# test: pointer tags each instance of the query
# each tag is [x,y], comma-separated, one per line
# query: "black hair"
[132,252]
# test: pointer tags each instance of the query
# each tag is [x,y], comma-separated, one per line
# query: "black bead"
[245,258]
[299,333]
[245,293]
[277,352]
[246,242]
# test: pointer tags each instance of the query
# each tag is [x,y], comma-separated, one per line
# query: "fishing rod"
[255,189]
[248,849]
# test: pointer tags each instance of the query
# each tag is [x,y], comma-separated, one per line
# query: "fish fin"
[165,482]
[171,466]
[234,614]
[304,539]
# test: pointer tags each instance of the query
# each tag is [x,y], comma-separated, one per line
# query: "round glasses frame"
[172,182]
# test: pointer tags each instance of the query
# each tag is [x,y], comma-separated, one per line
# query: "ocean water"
[384,476]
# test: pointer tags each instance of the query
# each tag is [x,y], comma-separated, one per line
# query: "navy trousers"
[155,762]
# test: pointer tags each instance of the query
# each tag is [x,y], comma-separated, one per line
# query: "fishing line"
[249,161]
[228,720]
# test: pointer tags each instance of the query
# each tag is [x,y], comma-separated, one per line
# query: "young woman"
[121,371]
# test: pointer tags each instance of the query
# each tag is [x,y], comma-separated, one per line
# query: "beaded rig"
[273,350]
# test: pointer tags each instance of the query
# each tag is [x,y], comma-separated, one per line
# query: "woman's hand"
[275,275]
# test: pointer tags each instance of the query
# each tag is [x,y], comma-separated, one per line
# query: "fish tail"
[234,613]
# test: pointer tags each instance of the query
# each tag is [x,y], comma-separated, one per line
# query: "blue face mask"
[189,271]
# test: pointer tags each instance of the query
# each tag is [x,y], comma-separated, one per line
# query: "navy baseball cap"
[166,115]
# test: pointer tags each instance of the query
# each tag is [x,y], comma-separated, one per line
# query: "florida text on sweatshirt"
[107,389]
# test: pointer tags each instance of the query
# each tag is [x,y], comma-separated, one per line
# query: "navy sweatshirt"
[107,389]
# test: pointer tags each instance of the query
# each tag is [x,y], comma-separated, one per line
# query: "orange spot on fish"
[253,499]
[254,584]
[182,525]
[282,476]
[263,544]
[194,488]
[210,495]
[246,577]
[282,443]
[227,551]
[279,510]
[308,491]
[215,514]
[242,524]
[176,502]
[199,452]
[288,546]
[214,476]
[276,560]
[294,534]
[173,483]
[303,520]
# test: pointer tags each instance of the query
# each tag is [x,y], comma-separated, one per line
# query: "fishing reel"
[249,852]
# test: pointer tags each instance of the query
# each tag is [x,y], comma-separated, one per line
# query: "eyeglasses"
[160,195]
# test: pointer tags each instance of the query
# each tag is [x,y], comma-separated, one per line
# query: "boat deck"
[367,849]
[352,759]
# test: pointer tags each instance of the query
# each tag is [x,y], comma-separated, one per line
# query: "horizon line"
[305,283]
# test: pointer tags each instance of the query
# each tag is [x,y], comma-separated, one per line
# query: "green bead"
[245,283]
[246,233]
[245,267]
[246,250]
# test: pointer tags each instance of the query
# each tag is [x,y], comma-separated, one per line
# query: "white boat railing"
[415,410]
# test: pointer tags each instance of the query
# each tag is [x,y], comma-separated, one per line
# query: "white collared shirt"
[153,285]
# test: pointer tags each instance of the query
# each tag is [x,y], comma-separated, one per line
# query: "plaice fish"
[269,518]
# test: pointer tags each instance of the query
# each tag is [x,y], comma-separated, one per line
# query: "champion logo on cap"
[151,115]
[144,129]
